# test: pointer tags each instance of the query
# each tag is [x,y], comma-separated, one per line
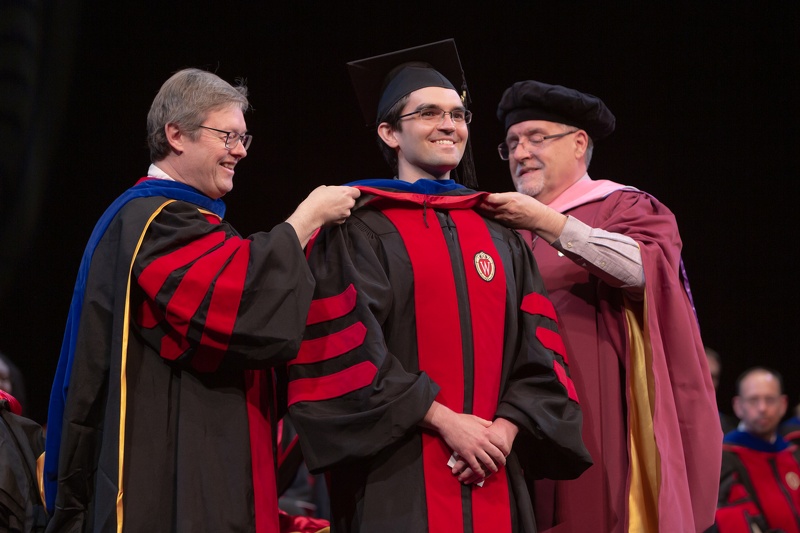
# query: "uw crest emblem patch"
[484,264]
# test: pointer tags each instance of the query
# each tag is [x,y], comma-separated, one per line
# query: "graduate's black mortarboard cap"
[534,100]
[381,81]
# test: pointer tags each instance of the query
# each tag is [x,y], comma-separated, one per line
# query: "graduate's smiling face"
[204,162]
[427,148]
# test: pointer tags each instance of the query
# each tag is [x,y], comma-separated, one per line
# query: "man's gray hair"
[185,100]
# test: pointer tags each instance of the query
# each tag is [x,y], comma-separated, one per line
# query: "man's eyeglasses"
[753,401]
[231,138]
[434,114]
[506,148]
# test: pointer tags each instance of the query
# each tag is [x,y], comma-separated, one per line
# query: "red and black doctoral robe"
[759,485]
[419,299]
[168,405]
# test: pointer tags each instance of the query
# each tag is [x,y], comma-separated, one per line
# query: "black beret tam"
[534,100]
[381,81]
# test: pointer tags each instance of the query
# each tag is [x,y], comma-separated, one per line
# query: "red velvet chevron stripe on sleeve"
[222,311]
[566,381]
[215,263]
[194,285]
[149,315]
[154,276]
[337,306]
[538,304]
[330,346]
[332,385]
[552,341]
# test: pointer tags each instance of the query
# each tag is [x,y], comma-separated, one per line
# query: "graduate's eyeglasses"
[231,138]
[506,148]
[434,114]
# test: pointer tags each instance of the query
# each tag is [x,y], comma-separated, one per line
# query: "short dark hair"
[392,117]
[755,369]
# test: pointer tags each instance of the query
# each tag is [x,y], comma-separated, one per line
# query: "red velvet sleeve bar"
[212,263]
[538,304]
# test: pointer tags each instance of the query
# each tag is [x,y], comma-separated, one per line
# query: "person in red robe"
[431,380]
[759,485]
[162,414]
[610,257]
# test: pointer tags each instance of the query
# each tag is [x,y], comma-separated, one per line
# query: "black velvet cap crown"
[381,81]
[534,100]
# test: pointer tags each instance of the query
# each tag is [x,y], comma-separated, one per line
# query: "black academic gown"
[169,410]
[419,298]
[21,451]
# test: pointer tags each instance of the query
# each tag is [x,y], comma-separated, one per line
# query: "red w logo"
[484,264]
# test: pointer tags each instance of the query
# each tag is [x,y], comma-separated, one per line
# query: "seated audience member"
[21,449]
[12,382]
[760,470]
[728,422]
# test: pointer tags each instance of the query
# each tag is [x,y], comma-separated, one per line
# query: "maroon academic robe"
[650,417]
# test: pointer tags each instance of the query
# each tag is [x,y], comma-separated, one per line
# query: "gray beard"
[531,189]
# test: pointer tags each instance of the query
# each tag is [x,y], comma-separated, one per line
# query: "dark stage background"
[705,97]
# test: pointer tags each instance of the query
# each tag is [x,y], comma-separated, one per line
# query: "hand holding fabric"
[325,205]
